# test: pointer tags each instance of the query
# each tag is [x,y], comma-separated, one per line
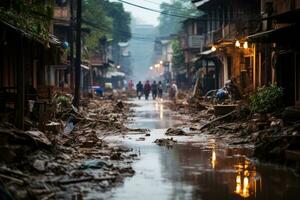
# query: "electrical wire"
[119,31]
[94,25]
[157,11]
[174,8]
[198,18]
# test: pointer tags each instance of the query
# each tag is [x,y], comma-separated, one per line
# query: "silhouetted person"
[154,90]
[147,89]
[139,89]
[160,89]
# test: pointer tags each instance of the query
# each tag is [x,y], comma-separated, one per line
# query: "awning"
[195,59]
[123,44]
[199,3]
[207,52]
[85,67]
[182,71]
[111,74]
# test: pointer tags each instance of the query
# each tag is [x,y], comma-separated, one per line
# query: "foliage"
[267,99]
[31,16]
[169,24]
[121,21]
[105,19]
[94,12]
[64,101]
[178,57]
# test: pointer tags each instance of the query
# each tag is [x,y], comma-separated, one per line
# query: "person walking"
[160,89]
[147,89]
[173,91]
[139,89]
[154,90]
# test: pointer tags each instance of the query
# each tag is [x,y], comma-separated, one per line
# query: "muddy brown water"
[198,167]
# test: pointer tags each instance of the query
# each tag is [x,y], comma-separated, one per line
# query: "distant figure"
[147,89]
[173,91]
[154,90]
[130,85]
[99,91]
[160,89]
[139,89]
[233,90]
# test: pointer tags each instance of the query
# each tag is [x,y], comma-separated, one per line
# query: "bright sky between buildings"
[144,16]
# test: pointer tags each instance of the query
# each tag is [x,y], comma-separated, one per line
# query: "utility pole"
[71,45]
[78,56]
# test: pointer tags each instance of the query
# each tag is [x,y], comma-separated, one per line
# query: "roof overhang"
[85,67]
[286,17]
[199,3]
[285,34]
[52,39]
[207,52]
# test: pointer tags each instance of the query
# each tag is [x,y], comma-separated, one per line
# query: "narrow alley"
[149,99]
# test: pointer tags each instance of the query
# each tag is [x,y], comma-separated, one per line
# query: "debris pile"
[69,158]
[168,142]
[275,137]
[176,132]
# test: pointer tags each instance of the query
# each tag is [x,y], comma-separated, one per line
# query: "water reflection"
[159,106]
[250,178]
[161,111]
[209,171]
[213,158]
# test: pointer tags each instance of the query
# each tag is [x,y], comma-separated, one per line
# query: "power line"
[122,32]
[174,8]
[186,17]
[157,11]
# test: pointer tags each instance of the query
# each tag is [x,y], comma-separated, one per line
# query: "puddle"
[196,168]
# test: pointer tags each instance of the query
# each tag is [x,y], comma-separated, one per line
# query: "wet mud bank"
[272,138]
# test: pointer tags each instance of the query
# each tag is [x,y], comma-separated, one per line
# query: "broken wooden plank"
[21,182]
[73,181]
[218,119]
[5,171]
[292,155]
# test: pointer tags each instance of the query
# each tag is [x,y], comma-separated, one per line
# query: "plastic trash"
[69,128]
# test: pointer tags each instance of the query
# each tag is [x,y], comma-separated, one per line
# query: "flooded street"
[198,167]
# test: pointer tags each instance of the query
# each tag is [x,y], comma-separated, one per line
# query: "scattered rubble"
[275,137]
[175,132]
[168,142]
[67,155]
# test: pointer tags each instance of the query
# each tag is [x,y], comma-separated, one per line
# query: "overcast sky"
[144,16]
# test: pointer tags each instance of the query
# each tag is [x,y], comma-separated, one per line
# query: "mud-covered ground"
[69,159]
[272,137]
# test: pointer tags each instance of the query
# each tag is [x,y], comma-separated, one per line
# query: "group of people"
[147,88]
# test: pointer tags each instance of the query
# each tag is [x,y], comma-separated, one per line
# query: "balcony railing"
[195,41]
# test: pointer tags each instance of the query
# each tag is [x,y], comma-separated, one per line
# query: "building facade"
[227,55]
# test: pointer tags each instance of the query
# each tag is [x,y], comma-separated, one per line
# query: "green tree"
[32,16]
[178,57]
[170,24]
[105,19]
[121,21]
[96,19]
